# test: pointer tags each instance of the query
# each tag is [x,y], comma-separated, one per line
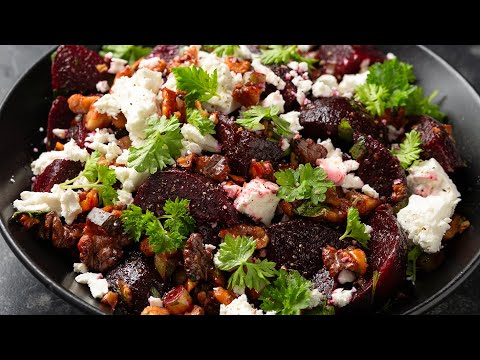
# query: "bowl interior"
[26,108]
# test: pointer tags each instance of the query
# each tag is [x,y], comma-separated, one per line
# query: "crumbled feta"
[393,134]
[154,301]
[60,133]
[241,306]
[85,278]
[303,87]
[210,247]
[284,144]
[71,151]
[148,79]
[65,203]
[369,191]
[350,82]
[102,86]
[190,147]
[293,119]
[123,158]
[232,190]
[325,86]
[124,197]
[342,297]
[274,99]
[171,82]
[80,268]
[113,151]
[130,178]
[293,65]
[391,56]
[337,169]
[302,67]
[105,142]
[117,65]
[237,78]
[316,297]
[258,200]
[150,63]
[346,276]
[368,229]
[109,105]
[205,142]
[244,52]
[304,48]
[271,78]
[97,284]
[428,214]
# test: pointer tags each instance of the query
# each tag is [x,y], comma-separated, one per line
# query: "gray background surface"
[21,293]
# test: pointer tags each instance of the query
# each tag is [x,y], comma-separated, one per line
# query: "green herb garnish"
[355,228]
[198,84]
[409,150]
[131,53]
[251,118]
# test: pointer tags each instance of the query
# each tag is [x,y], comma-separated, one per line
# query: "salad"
[243,179]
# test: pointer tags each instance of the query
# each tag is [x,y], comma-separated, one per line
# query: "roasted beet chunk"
[308,151]
[321,118]
[289,93]
[59,117]
[437,142]
[62,236]
[165,52]
[77,69]
[241,146]
[57,172]
[133,280]
[209,203]
[78,132]
[198,259]
[339,60]
[388,256]
[298,244]
[101,247]
[381,170]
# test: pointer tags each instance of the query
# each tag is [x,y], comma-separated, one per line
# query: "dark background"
[21,293]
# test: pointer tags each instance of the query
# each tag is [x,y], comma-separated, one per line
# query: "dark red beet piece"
[438,143]
[382,171]
[241,146]
[74,69]
[138,274]
[308,151]
[321,118]
[165,52]
[59,117]
[208,201]
[387,255]
[298,244]
[57,172]
[339,60]
[78,132]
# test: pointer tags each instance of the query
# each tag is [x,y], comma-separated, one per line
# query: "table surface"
[22,293]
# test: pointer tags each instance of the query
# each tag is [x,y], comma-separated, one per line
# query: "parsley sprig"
[304,183]
[127,52]
[201,122]
[198,84]
[251,118]
[166,237]
[283,54]
[389,85]
[162,145]
[289,294]
[100,177]
[234,255]
[409,150]
[221,50]
[355,228]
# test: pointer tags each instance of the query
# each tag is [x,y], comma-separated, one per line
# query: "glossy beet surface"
[58,171]
[59,117]
[462,105]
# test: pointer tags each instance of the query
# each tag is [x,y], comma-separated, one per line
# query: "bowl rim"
[73,299]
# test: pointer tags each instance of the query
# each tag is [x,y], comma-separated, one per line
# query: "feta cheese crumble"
[80,268]
[71,151]
[192,137]
[258,199]
[369,191]
[97,284]
[274,99]
[102,86]
[293,119]
[342,297]
[271,78]
[241,306]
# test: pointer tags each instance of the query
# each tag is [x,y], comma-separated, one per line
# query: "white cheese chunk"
[258,200]
[80,268]
[97,284]
[102,86]
[117,65]
[205,142]
[342,297]
[271,78]
[368,190]
[316,297]
[350,82]
[293,119]
[130,178]
[346,276]
[154,301]
[325,86]
[274,99]
[85,278]
[124,197]
[241,306]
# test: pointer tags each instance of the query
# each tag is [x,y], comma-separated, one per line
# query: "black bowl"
[25,110]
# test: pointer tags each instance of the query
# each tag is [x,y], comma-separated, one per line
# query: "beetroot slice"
[241,146]
[388,256]
[74,69]
[78,132]
[57,172]
[165,52]
[59,117]
[298,244]
[339,60]
[438,143]
[209,204]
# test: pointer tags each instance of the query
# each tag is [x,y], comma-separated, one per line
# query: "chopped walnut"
[215,167]
[458,225]
[258,233]
[188,58]
[261,169]
[198,259]
[154,310]
[351,258]
[187,162]
[110,299]
[237,66]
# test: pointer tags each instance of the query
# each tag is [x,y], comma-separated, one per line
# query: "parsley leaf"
[202,123]
[412,257]
[355,228]
[283,54]
[234,254]
[287,295]
[308,209]
[221,50]
[127,52]
[162,238]
[389,86]
[409,150]
[251,118]
[100,177]
[162,145]
[303,183]
[198,84]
